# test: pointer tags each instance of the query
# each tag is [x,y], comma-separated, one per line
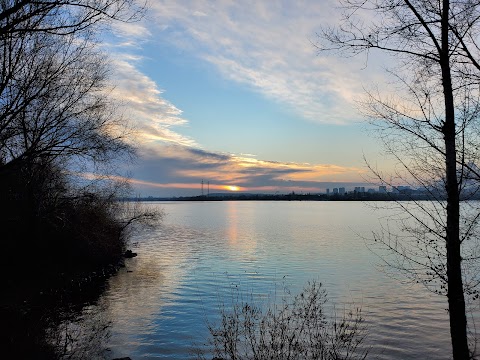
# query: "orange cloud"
[241,169]
[180,167]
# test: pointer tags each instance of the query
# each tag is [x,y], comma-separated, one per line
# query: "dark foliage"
[49,229]
[60,237]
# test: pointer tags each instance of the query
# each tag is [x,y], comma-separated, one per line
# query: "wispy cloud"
[268,46]
[154,117]
[131,30]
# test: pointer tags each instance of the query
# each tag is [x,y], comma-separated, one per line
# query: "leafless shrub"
[297,328]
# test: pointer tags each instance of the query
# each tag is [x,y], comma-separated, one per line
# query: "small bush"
[296,329]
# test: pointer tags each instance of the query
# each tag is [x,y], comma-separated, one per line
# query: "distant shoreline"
[353,196]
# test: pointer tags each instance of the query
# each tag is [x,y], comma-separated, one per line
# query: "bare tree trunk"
[456,299]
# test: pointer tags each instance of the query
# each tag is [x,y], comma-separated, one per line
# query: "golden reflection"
[240,230]
[232,223]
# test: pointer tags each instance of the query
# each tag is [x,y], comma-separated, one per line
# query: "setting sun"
[232,188]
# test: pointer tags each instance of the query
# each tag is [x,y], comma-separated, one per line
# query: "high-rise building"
[382,189]
[341,191]
[335,191]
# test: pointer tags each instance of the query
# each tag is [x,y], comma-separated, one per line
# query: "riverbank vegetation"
[61,137]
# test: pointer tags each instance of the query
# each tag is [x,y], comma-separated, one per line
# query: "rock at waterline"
[129,254]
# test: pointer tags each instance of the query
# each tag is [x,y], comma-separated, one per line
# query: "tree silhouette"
[62,17]
[57,126]
[431,128]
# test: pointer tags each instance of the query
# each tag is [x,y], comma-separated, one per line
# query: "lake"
[158,305]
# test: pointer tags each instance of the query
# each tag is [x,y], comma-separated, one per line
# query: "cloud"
[154,117]
[264,45]
[178,167]
[132,33]
[268,46]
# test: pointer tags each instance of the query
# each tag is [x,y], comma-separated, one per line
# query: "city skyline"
[206,188]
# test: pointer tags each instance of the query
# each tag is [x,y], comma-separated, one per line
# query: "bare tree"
[53,79]
[57,122]
[56,104]
[56,117]
[431,128]
[64,16]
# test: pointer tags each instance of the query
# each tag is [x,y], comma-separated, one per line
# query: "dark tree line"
[57,128]
[60,138]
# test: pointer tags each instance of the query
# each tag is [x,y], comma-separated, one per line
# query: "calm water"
[158,305]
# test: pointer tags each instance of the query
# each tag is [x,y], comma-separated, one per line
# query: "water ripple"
[206,254]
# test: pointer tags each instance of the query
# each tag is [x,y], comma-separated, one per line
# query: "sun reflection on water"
[160,303]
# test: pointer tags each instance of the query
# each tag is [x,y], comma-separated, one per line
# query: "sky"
[236,94]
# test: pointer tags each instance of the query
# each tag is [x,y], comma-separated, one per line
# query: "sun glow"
[232,188]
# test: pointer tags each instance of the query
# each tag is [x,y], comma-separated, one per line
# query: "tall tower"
[202,187]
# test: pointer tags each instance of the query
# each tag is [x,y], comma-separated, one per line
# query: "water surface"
[160,302]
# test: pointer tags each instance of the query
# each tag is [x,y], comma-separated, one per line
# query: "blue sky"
[235,93]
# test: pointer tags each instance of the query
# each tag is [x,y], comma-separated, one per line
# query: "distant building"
[328,191]
[371,191]
[341,191]
[403,189]
[382,189]
[335,191]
